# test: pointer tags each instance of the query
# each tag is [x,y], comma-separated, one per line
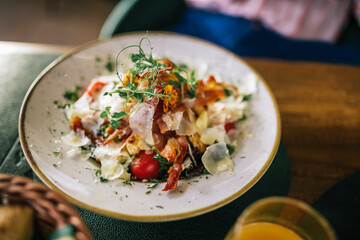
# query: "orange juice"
[267,231]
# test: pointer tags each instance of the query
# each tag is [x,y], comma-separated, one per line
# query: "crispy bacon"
[162,125]
[94,88]
[159,138]
[77,125]
[123,133]
[171,150]
[177,168]
[209,91]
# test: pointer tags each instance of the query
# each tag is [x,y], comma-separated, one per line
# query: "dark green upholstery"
[142,15]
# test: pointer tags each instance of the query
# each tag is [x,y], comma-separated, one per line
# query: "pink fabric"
[301,19]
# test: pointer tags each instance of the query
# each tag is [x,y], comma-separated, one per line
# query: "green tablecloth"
[17,72]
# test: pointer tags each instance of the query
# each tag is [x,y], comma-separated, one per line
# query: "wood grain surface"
[320,113]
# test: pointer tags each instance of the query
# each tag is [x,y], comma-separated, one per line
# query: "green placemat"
[340,205]
[17,72]
[213,225]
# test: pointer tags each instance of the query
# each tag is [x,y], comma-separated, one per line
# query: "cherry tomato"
[229,126]
[144,166]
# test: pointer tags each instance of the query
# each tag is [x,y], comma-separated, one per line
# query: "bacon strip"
[123,133]
[94,88]
[77,125]
[209,91]
[177,168]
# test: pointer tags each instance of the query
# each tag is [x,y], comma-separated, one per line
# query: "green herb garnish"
[164,163]
[72,95]
[109,66]
[57,153]
[205,171]
[231,148]
[127,182]
[63,106]
[102,179]
[143,79]
[228,92]
[98,174]
[243,118]
[247,97]
[156,183]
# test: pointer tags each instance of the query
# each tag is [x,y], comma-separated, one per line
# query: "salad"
[156,122]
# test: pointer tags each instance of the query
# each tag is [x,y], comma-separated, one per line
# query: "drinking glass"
[281,218]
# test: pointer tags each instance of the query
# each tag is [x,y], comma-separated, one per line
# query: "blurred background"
[64,22]
[67,22]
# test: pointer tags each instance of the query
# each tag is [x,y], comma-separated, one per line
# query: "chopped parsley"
[57,153]
[243,118]
[63,106]
[156,183]
[72,95]
[98,174]
[231,148]
[109,66]
[127,182]
[228,92]
[102,179]
[247,97]
[205,171]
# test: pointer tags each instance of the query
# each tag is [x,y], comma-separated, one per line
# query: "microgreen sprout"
[144,82]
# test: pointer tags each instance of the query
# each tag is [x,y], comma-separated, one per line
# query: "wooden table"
[320,113]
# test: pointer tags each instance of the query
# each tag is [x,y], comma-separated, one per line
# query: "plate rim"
[145,218]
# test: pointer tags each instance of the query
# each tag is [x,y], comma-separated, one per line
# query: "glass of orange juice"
[281,218]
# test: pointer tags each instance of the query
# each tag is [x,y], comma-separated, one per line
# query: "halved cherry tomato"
[144,166]
[229,126]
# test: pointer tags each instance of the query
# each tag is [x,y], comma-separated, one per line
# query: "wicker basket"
[51,210]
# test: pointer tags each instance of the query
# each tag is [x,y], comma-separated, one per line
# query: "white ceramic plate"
[41,124]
